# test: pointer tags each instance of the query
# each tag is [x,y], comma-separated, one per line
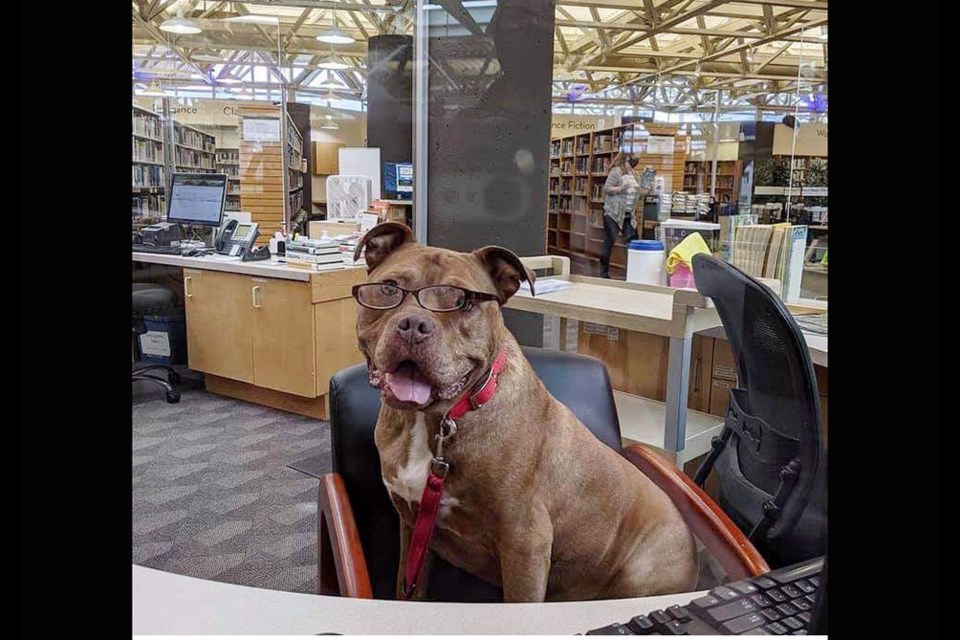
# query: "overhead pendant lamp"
[153,90]
[335,35]
[180,25]
[333,63]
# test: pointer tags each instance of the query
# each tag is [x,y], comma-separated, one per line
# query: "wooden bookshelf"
[193,150]
[228,162]
[696,178]
[148,178]
[579,165]
[296,166]
[261,171]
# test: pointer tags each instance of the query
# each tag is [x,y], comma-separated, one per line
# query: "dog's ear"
[506,270]
[381,241]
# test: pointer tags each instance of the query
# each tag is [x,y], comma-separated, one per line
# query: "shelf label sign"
[261,130]
[660,145]
[155,343]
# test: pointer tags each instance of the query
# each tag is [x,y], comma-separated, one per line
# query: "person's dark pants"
[610,232]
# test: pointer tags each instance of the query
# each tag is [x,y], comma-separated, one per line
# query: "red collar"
[472,401]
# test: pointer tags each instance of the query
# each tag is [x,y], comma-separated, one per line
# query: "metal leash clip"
[448,428]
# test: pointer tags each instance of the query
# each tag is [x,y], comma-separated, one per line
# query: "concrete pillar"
[489,132]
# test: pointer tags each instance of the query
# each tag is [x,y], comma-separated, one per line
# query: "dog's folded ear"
[381,241]
[506,269]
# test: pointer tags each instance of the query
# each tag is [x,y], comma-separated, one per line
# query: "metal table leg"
[678,381]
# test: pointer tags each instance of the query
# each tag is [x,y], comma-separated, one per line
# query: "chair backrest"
[777,384]
[580,382]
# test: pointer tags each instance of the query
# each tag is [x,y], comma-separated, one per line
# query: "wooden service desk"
[267,333]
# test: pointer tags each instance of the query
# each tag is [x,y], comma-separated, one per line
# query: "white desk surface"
[169,604]
[266,268]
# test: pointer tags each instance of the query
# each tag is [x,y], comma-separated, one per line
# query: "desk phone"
[235,237]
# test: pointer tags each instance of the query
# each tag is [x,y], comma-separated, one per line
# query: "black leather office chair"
[768,457]
[149,298]
[358,528]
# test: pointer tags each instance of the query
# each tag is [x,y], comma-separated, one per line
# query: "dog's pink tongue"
[409,385]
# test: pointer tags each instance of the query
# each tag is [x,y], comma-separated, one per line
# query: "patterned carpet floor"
[213,497]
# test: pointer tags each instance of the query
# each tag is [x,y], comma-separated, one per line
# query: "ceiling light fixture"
[330,124]
[335,35]
[180,25]
[153,90]
[228,80]
[333,63]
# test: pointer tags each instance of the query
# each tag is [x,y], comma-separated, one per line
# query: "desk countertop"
[266,269]
[169,604]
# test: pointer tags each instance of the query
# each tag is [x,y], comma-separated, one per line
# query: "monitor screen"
[398,180]
[197,198]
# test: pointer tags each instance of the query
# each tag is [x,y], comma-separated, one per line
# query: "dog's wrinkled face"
[420,358]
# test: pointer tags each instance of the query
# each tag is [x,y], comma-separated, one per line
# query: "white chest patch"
[411,478]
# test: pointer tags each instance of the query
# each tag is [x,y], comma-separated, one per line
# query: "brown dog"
[533,501]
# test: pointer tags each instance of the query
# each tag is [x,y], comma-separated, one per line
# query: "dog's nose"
[414,328]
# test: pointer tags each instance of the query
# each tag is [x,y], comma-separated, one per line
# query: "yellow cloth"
[683,253]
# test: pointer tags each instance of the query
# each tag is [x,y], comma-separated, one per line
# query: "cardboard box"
[724,366]
[317,227]
[720,396]
[637,362]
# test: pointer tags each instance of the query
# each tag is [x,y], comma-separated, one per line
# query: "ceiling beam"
[683,31]
[319,4]
[160,37]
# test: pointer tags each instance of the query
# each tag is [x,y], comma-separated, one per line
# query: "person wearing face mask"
[621,191]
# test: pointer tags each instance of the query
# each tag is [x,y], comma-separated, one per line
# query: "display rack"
[148,177]
[262,188]
[578,169]
[228,162]
[296,170]
[194,150]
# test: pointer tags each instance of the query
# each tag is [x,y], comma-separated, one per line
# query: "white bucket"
[645,262]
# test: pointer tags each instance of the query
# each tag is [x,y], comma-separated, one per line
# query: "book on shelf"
[314,243]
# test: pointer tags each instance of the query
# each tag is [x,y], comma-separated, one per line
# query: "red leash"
[433,491]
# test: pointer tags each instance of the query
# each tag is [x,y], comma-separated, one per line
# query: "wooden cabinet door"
[326,158]
[219,323]
[283,338]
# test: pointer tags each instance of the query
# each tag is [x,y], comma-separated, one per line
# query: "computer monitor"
[398,180]
[197,198]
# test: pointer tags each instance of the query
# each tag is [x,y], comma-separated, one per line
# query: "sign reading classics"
[660,145]
[261,130]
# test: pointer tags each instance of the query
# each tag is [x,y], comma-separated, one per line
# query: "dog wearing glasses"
[533,501]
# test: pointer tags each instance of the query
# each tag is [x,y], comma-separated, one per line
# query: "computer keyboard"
[150,248]
[777,603]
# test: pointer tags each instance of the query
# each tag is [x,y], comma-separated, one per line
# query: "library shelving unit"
[696,178]
[578,170]
[148,161]
[262,188]
[296,170]
[194,151]
[228,162]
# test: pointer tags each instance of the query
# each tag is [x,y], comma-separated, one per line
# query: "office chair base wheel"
[173,397]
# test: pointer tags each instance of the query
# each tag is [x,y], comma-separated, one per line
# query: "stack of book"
[314,255]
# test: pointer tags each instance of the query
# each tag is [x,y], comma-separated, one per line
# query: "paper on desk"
[546,286]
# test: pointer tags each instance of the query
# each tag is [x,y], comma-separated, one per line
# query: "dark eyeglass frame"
[468,296]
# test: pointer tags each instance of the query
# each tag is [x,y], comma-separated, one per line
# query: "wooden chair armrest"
[342,567]
[714,528]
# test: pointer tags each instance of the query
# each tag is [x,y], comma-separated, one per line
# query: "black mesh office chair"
[768,457]
[149,299]
[358,528]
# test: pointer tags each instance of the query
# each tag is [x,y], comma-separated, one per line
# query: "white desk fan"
[347,197]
